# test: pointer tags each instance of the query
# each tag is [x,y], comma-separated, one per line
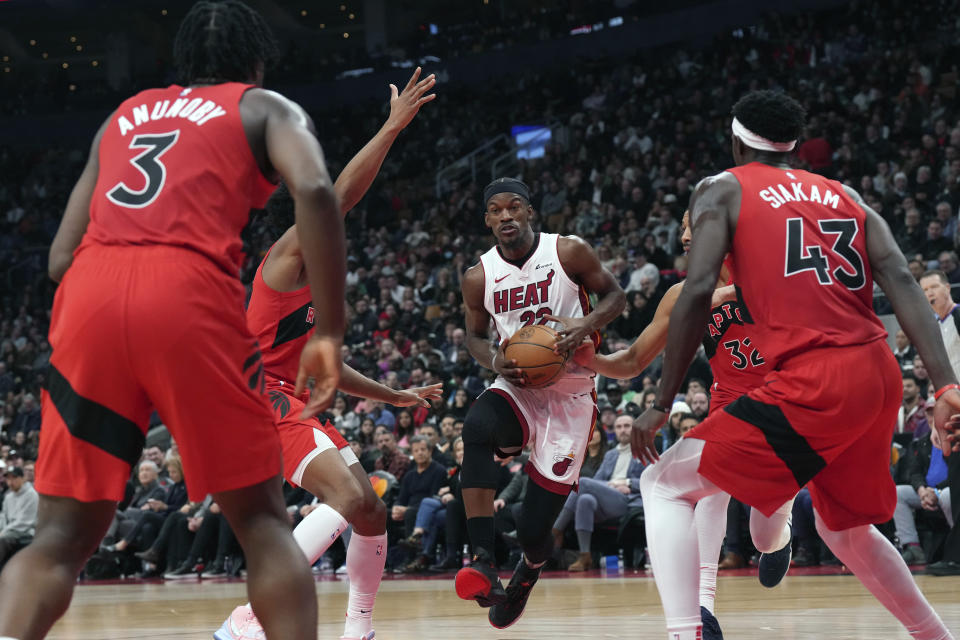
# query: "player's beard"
[517,241]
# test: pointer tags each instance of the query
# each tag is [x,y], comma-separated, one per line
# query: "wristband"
[942,390]
[657,407]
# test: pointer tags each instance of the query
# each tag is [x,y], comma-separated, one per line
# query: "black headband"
[506,185]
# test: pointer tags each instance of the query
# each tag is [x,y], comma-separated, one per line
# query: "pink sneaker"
[241,625]
[366,636]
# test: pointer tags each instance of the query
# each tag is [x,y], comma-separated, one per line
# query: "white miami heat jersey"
[520,295]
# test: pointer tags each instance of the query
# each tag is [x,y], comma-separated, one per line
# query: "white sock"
[881,569]
[318,531]
[710,516]
[684,628]
[366,556]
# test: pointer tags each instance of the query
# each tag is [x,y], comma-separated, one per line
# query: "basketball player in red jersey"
[315,455]
[805,251]
[150,314]
[527,278]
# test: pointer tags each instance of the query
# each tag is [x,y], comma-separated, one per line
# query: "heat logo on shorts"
[561,464]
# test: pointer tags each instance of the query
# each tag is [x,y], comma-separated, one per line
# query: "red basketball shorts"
[135,328]
[302,440]
[825,419]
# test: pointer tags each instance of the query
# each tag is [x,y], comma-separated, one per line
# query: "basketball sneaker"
[366,636]
[774,566]
[711,628]
[479,581]
[509,611]
[241,625]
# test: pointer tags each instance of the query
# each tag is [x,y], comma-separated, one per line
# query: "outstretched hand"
[644,431]
[586,354]
[422,396]
[404,106]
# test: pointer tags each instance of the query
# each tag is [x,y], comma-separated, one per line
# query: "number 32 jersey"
[176,169]
[521,293]
[800,261]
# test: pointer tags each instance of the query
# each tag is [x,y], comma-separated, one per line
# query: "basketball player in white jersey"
[527,278]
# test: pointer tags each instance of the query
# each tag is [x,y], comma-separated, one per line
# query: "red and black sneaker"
[509,611]
[479,581]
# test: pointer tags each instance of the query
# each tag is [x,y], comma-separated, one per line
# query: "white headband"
[754,141]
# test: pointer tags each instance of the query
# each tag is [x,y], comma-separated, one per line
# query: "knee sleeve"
[535,524]
[490,426]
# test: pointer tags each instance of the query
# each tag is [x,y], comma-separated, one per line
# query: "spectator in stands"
[461,402]
[18,520]
[213,543]
[147,489]
[936,287]
[28,417]
[936,242]
[596,450]
[421,481]
[438,454]
[155,511]
[912,418]
[944,213]
[391,459]
[431,517]
[699,404]
[947,260]
[904,351]
[911,238]
[927,490]
[608,495]
[686,422]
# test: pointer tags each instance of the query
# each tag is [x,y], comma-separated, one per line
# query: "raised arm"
[477,321]
[914,315]
[582,265]
[356,178]
[76,216]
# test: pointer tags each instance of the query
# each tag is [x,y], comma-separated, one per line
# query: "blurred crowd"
[635,135]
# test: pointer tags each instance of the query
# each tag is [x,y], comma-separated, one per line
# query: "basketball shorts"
[558,425]
[302,440]
[137,328]
[824,419]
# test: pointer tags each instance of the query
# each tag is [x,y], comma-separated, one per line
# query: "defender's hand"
[507,368]
[404,106]
[723,294]
[586,355]
[422,396]
[319,361]
[644,430]
[573,332]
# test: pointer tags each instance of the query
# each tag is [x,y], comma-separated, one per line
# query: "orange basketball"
[532,348]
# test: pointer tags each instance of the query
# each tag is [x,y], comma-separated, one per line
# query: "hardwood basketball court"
[807,607]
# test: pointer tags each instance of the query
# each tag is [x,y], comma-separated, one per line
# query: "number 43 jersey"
[523,292]
[176,169]
[800,259]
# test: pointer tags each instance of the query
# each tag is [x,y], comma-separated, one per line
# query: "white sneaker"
[366,636]
[241,625]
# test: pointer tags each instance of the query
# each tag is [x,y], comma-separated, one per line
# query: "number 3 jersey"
[176,169]
[521,293]
[800,261]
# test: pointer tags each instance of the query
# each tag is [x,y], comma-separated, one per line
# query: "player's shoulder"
[723,180]
[572,244]
[474,276]
[270,102]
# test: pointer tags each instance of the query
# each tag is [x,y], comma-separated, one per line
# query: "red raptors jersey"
[800,258]
[176,169]
[282,322]
[736,361]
